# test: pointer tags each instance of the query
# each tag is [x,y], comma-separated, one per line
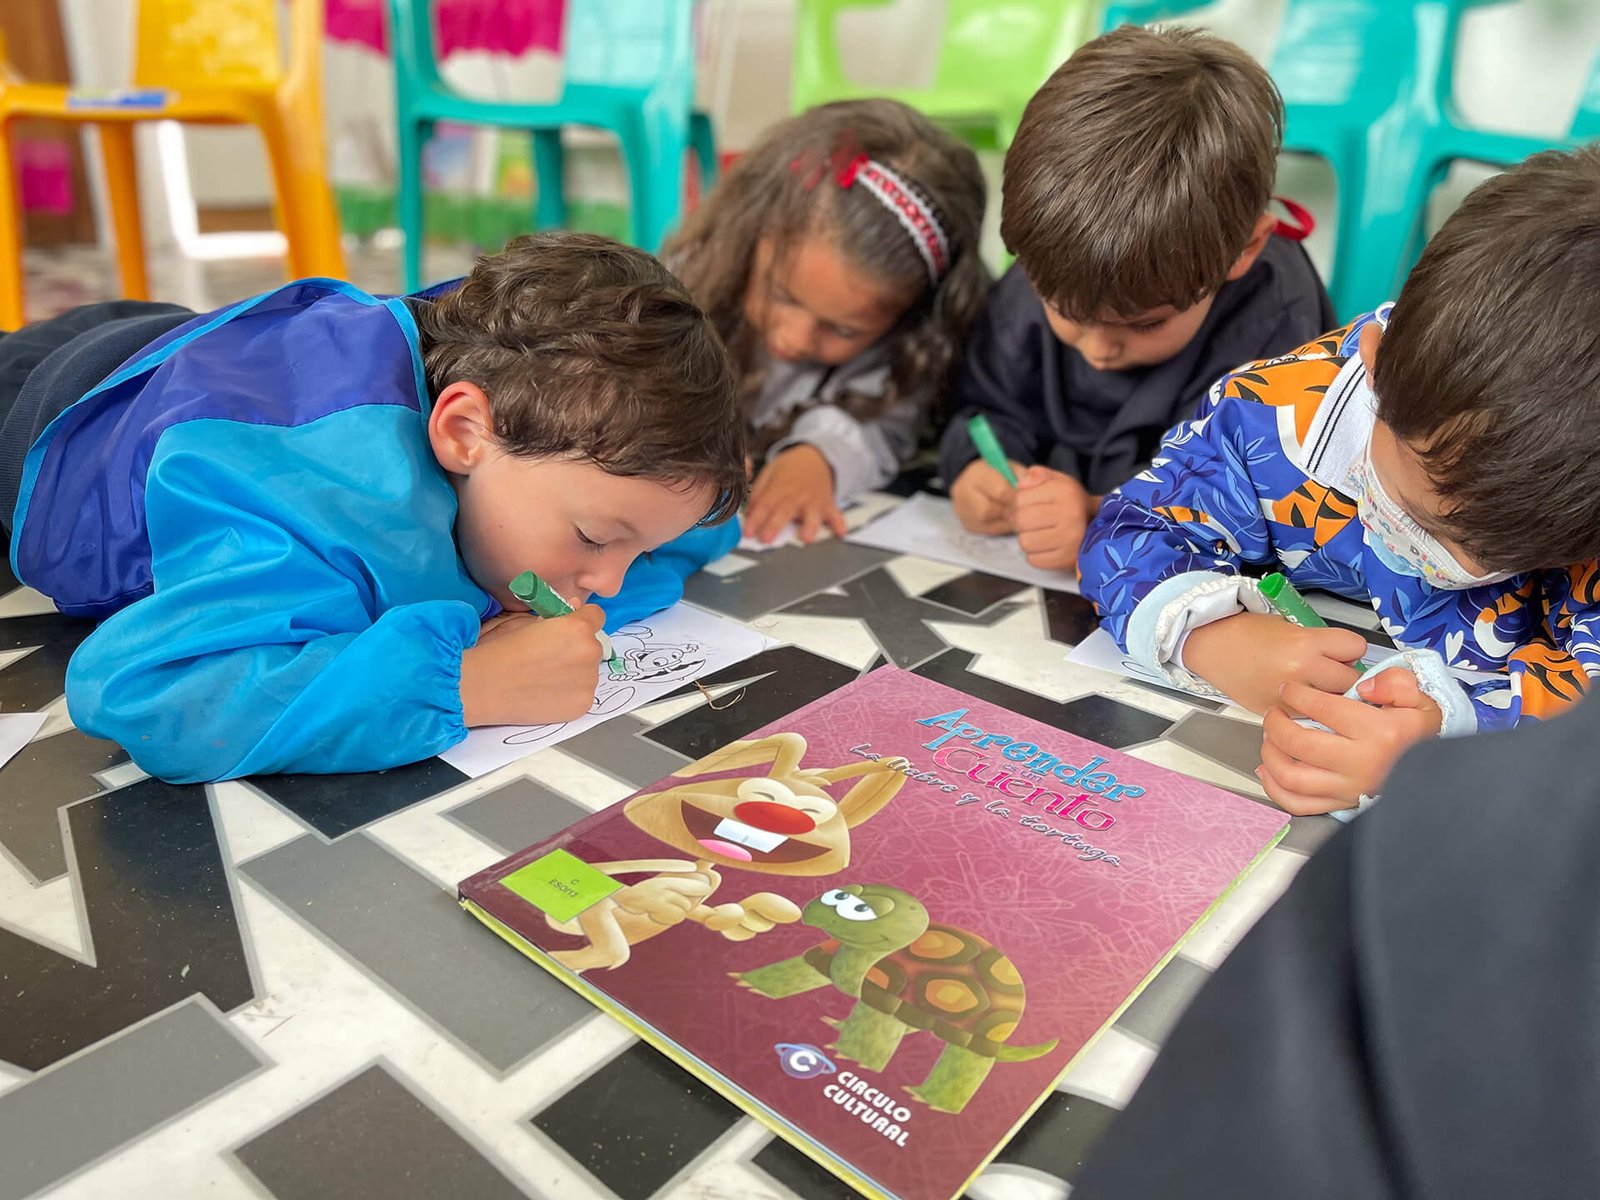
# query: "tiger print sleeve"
[1193,514]
[1548,674]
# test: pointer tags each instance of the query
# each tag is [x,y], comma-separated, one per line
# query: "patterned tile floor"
[265,987]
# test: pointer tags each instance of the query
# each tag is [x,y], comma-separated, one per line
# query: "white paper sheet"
[788,536]
[927,526]
[660,654]
[16,731]
[1099,649]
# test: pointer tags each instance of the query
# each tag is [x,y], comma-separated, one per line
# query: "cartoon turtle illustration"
[907,973]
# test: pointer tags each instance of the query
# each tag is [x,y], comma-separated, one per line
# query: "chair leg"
[550,174]
[408,197]
[274,140]
[703,140]
[654,151]
[10,238]
[122,191]
[305,201]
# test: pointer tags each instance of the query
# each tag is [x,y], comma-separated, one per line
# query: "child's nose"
[799,336]
[604,579]
[1097,344]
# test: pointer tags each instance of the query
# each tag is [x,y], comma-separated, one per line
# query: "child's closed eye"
[587,540]
[1145,326]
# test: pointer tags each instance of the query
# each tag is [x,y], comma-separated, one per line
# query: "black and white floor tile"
[265,987]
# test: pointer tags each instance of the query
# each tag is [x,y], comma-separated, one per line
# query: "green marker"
[544,601]
[989,447]
[1292,606]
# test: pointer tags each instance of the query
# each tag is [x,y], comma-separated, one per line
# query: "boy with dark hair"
[1135,198]
[1440,461]
[299,516]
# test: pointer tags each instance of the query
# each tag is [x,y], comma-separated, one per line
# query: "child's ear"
[1265,224]
[1367,345]
[461,427]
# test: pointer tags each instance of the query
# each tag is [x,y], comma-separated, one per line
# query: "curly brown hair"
[764,196]
[591,349]
[1139,170]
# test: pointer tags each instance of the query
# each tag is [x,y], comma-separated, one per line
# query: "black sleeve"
[999,378]
[1418,1016]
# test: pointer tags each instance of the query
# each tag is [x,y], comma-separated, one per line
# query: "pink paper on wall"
[511,27]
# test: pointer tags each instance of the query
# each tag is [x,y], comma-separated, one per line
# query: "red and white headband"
[890,189]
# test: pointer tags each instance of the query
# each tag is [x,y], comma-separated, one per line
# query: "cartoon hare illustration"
[779,822]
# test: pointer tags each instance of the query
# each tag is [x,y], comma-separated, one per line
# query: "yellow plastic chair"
[203,62]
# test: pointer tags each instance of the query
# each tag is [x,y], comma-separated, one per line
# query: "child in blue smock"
[297,517]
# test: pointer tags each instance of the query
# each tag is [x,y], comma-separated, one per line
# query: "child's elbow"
[160,736]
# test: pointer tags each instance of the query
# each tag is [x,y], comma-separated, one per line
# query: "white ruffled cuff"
[1175,608]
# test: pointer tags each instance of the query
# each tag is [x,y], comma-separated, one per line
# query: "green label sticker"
[561,885]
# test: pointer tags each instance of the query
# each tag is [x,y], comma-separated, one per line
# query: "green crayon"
[989,447]
[1292,607]
[544,601]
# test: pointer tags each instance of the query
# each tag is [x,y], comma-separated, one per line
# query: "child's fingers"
[768,518]
[810,523]
[1302,777]
[1314,747]
[1394,688]
[1346,717]
[1296,804]
[782,515]
[1346,645]
[835,521]
[591,615]
[1330,676]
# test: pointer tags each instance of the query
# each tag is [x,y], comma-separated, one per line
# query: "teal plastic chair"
[993,55]
[1367,86]
[1146,12]
[1586,121]
[629,69]
[1497,148]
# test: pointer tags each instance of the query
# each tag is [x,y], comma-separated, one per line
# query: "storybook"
[884,925]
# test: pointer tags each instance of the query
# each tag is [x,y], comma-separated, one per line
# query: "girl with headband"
[839,260]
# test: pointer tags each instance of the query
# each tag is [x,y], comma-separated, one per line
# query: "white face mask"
[1404,546]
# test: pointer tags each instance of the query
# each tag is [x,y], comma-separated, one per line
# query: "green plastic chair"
[1367,86]
[993,55]
[629,69]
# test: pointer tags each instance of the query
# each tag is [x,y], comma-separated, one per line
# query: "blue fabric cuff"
[655,580]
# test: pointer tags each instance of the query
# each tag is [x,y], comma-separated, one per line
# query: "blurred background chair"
[629,68]
[993,55]
[212,62]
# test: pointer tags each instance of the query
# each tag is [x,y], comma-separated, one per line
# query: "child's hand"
[1053,510]
[796,486]
[525,671]
[1248,656]
[1313,771]
[984,502]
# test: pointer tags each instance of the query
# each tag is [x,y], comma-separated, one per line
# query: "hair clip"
[845,175]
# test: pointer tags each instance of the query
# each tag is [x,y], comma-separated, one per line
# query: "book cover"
[886,924]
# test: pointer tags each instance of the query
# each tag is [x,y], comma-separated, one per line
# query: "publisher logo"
[800,1060]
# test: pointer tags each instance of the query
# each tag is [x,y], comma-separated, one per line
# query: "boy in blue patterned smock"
[1439,460]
